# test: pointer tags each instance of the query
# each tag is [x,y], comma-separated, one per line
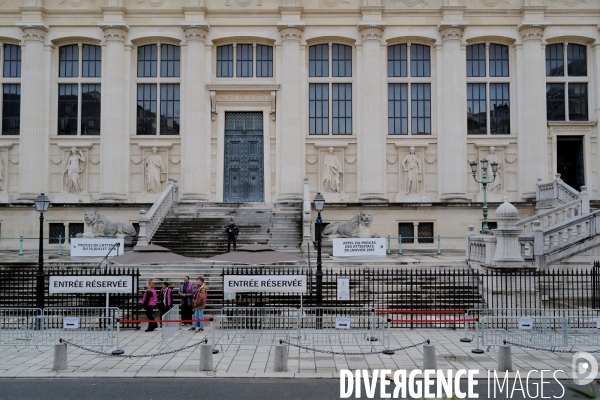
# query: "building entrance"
[244,171]
[569,160]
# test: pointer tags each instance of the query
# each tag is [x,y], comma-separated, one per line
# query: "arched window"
[11,88]
[79,72]
[158,76]
[566,88]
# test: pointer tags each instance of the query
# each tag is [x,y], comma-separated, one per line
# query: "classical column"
[33,141]
[533,133]
[452,123]
[290,137]
[114,137]
[372,134]
[195,132]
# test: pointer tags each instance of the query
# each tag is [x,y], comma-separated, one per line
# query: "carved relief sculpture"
[154,167]
[357,227]
[496,185]
[72,171]
[332,171]
[412,168]
[100,226]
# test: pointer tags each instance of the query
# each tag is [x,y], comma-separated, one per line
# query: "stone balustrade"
[151,220]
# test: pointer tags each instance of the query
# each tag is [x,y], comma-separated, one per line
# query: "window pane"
[146,109]
[576,60]
[578,102]
[169,109]
[147,59]
[420,60]
[342,108]
[476,60]
[11,109]
[342,60]
[12,61]
[498,60]
[318,108]
[67,109]
[169,61]
[90,109]
[318,64]
[425,232]
[68,65]
[92,61]
[397,61]
[397,109]
[56,231]
[407,231]
[476,117]
[225,61]
[420,109]
[555,101]
[499,108]
[244,61]
[554,60]
[264,61]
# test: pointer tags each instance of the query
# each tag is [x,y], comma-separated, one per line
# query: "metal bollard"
[280,363]
[212,334]
[389,246]
[429,358]
[399,245]
[505,358]
[60,357]
[477,350]
[118,350]
[466,338]
[60,240]
[20,245]
[206,357]
[439,245]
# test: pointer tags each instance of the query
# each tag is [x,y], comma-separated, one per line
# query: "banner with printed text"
[359,247]
[264,283]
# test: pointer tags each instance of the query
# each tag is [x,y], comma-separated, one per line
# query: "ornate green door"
[244,172]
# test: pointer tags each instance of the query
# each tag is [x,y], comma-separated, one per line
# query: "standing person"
[148,303]
[165,301]
[199,304]
[232,234]
[186,292]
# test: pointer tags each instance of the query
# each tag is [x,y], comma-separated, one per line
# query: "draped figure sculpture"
[332,171]
[412,167]
[154,167]
[72,171]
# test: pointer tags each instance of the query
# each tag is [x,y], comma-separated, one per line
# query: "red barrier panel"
[421,311]
[166,320]
[437,321]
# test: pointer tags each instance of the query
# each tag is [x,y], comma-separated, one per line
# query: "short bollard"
[504,358]
[280,363]
[429,358]
[60,357]
[206,357]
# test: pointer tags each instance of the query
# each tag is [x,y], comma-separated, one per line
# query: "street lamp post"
[319,204]
[41,204]
[484,181]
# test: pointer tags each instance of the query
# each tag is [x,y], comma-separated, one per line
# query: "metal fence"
[17,326]
[169,328]
[537,331]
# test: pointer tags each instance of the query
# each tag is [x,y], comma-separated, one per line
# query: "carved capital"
[371,32]
[291,32]
[34,33]
[195,32]
[451,32]
[531,32]
[115,33]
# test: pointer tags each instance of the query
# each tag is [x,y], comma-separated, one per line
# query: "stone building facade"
[382,104]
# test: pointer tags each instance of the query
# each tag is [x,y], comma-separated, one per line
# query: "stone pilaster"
[533,131]
[195,129]
[290,137]
[114,138]
[33,141]
[452,125]
[372,134]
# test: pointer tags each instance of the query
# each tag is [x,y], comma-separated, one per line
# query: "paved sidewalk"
[257,361]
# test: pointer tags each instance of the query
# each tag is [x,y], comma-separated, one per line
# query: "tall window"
[11,88]
[158,73]
[409,89]
[79,72]
[245,60]
[330,80]
[566,88]
[488,89]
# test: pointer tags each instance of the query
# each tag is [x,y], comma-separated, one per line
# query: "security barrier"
[83,330]
[538,331]
[172,326]
[17,326]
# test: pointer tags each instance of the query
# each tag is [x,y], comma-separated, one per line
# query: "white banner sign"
[343,288]
[526,323]
[342,322]
[355,247]
[264,283]
[70,323]
[92,247]
[91,284]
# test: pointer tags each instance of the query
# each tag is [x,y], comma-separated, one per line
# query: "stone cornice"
[114,32]
[372,31]
[291,31]
[34,32]
[195,32]
[452,31]
[532,31]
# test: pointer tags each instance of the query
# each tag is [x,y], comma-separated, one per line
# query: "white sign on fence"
[355,247]
[526,323]
[342,322]
[343,288]
[264,283]
[70,323]
[91,284]
[92,247]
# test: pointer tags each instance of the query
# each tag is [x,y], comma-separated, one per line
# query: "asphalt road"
[206,389]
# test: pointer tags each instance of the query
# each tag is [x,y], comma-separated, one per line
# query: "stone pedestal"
[68,198]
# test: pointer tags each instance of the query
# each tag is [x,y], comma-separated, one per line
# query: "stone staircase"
[198,230]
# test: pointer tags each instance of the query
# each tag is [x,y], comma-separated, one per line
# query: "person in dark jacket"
[186,293]
[148,303]
[165,300]
[232,234]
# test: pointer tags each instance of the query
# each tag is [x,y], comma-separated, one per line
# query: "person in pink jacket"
[148,303]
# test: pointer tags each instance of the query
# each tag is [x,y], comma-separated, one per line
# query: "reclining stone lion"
[100,226]
[357,227]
